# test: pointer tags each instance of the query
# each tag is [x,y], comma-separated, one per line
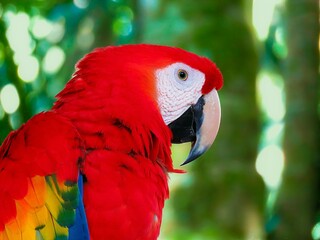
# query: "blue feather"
[80,231]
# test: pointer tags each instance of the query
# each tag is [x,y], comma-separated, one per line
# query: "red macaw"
[95,166]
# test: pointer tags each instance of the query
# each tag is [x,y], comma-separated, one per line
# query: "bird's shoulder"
[39,178]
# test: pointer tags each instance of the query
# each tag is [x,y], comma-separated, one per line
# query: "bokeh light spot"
[125,12]
[17,33]
[279,47]
[273,133]
[28,69]
[122,26]
[41,27]
[9,98]
[53,60]
[262,15]
[270,164]
[81,3]
[57,31]
[316,231]
[271,95]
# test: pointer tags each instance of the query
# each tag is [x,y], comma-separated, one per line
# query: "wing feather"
[39,193]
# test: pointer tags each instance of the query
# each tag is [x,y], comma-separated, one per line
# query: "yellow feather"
[29,233]
[52,202]
[30,218]
[55,186]
[48,231]
[41,216]
[52,229]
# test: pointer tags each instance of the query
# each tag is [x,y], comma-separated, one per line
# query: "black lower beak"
[198,125]
[185,128]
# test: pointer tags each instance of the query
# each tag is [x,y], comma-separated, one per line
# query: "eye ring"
[182,74]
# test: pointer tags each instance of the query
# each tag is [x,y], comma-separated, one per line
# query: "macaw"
[96,165]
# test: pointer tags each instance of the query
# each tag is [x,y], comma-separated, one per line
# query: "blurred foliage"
[268,53]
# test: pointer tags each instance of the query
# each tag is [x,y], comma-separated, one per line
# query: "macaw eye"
[182,74]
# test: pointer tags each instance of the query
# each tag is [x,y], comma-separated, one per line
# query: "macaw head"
[185,90]
[190,105]
[153,84]
[188,100]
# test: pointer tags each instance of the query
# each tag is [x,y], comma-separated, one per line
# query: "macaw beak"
[198,125]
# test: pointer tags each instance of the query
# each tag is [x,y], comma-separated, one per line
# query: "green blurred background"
[260,180]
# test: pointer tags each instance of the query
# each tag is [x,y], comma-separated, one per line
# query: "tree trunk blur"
[298,198]
[226,197]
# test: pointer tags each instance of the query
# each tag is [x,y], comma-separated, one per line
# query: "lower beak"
[198,125]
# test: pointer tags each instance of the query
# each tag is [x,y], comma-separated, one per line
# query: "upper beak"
[199,125]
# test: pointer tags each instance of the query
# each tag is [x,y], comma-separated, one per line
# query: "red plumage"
[109,127]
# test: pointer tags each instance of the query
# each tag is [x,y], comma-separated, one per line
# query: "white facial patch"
[176,93]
